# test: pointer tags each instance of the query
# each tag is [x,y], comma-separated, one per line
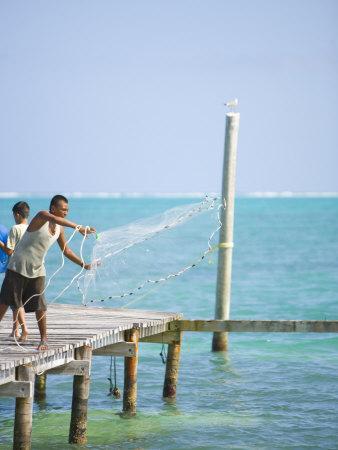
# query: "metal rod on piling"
[130,375]
[172,366]
[223,289]
[23,412]
[81,383]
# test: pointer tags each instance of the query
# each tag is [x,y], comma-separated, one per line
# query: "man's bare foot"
[43,345]
[23,337]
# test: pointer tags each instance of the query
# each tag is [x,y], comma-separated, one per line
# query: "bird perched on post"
[232,104]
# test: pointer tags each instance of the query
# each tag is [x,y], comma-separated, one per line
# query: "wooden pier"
[74,335]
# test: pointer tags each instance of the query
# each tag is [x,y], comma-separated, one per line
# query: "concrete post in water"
[171,372]
[78,423]
[223,289]
[23,412]
[130,375]
[40,388]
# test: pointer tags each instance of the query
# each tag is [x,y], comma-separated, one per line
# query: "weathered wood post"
[130,375]
[40,388]
[81,383]
[171,370]
[223,289]
[23,412]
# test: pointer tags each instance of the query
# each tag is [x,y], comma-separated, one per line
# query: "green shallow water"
[269,391]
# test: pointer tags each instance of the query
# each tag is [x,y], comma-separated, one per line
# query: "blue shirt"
[3,256]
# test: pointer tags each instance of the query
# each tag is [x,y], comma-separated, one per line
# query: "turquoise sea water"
[270,390]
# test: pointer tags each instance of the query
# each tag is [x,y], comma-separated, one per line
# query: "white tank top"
[28,258]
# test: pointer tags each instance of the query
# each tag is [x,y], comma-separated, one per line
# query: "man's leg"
[42,324]
[20,320]
[15,328]
[34,301]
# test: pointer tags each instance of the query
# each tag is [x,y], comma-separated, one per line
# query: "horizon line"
[103,195]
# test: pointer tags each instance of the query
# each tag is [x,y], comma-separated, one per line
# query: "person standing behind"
[3,255]
[20,213]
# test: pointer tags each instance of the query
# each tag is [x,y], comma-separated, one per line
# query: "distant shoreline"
[103,195]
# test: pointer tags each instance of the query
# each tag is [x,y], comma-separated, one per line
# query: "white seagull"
[232,104]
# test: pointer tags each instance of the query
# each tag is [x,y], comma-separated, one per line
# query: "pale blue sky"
[127,95]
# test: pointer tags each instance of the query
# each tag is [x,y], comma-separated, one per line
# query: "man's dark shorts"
[17,289]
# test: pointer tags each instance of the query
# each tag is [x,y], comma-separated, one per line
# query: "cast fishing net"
[130,260]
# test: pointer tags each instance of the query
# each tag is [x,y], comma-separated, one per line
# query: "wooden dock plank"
[257,326]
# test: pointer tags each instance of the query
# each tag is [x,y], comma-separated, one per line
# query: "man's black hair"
[56,199]
[21,208]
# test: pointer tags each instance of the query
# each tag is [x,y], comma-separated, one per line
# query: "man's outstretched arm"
[44,216]
[69,253]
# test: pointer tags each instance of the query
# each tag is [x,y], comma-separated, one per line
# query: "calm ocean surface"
[275,391]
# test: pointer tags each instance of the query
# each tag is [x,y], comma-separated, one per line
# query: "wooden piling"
[78,423]
[40,388]
[130,375]
[172,365]
[223,289]
[23,412]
